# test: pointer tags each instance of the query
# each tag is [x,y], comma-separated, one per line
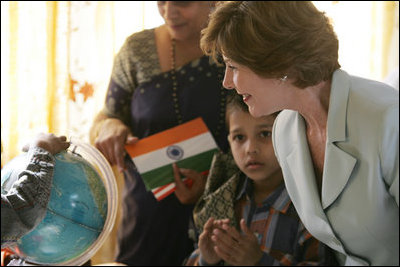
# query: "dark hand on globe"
[49,142]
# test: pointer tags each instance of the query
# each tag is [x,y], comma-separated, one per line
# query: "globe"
[81,210]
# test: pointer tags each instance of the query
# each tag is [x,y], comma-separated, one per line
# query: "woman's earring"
[283,79]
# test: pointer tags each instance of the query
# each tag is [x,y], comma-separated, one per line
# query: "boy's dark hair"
[235,101]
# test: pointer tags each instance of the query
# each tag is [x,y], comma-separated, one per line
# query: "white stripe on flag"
[168,189]
[165,190]
[191,147]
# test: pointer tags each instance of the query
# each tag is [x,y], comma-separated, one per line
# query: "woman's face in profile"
[184,19]
[263,96]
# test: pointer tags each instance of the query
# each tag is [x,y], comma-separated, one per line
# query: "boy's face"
[251,145]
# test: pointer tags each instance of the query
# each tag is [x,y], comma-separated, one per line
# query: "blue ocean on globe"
[76,212]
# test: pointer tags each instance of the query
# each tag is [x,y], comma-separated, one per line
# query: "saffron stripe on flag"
[168,137]
[165,175]
[190,147]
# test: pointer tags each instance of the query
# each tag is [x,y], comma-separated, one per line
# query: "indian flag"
[190,145]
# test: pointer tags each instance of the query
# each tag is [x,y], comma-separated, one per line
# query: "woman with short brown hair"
[336,137]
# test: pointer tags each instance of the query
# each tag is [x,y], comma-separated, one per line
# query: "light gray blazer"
[358,212]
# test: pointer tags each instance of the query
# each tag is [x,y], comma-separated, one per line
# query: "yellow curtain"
[368,33]
[386,19]
[56,57]
[56,60]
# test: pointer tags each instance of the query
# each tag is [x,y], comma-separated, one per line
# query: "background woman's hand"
[186,194]
[112,137]
[48,141]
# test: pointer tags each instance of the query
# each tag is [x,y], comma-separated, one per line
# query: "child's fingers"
[232,232]
[209,224]
[189,173]
[225,221]
[177,177]
[222,253]
[219,223]
[224,239]
[245,229]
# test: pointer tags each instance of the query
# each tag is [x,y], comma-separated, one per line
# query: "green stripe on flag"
[165,174]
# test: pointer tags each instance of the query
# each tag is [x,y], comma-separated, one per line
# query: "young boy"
[255,196]
[24,205]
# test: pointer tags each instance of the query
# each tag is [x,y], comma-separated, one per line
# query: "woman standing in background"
[160,79]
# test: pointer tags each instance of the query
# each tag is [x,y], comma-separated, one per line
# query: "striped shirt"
[24,202]
[280,233]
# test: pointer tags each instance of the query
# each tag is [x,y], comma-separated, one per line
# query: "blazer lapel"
[338,166]
[303,189]
[335,178]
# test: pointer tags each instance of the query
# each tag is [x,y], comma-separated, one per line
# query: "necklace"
[175,83]
[221,119]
